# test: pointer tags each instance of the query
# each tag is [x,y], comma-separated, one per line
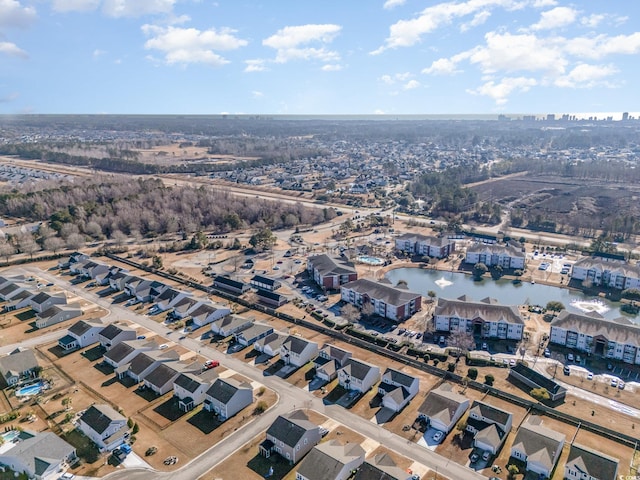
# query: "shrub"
[489,379]
[260,408]
[435,362]
[451,366]
[135,429]
[472,373]
[261,391]
[540,394]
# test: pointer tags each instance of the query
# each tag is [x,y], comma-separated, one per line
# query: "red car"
[210,364]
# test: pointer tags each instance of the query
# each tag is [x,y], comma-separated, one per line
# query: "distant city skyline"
[391,57]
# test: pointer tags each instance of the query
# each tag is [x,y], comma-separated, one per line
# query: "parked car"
[547,352]
[438,436]
[486,455]
[578,359]
[474,457]
[570,357]
[566,370]
[590,376]
[485,346]
[621,385]
[614,382]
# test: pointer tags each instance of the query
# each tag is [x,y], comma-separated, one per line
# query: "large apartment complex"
[607,272]
[416,244]
[331,272]
[394,303]
[619,340]
[505,256]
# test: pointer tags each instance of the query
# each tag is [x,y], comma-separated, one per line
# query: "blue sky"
[319,57]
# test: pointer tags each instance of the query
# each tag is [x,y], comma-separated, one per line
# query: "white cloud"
[478,19]
[601,46]
[411,84]
[11,49]
[13,14]
[406,33]
[255,65]
[500,91]
[257,94]
[291,42]
[378,111]
[97,53]
[136,8]
[189,45]
[75,5]
[445,66]
[332,67]
[395,78]
[389,4]
[544,3]
[593,20]
[510,53]
[555,18]
[586,76]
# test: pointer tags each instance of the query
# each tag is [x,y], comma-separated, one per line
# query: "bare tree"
[367,309]
[118,238]
[75,241]
[6,249]
[54,244]
[350,313]
[462,341]
[28,245]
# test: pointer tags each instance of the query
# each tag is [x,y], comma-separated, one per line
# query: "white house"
[57,314]
[330,359]
[331,461]
[584,463]
[619,340]
[489,425]
[124,352]
[229,325]
[113,334]
[40,456]
[145,363]
[270,345]
[358,375]
[297,351]
[191,389]
[442,408]
[81,334]
[206,313]
[486,318]
[161,379]
[104,426]
[227,396]
[43,301]
[397,389]
[537,446]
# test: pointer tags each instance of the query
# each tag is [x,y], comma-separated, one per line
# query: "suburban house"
[270,345]
[191,389]
[10,289]
[104,426]
[273,299]
[17,365]
[291,436]
[297,351]
[331,461]
[395,303]
[537,446]
[182,307]
[71,259]
[486,318]
[148,290]
[381,467]
[591,333]
[397,389]
[113,334]
[442,408]
[331,272]
[88,268]
[227,396]
[43,300]
[607,272]
[206,313]
[118,280]
[124,352]
[57,314]
[225,283]
[160,380]
[505,256]
[146,362]
[21,299]
[39,456]
[81,334]
[265,283]
[330,359]
[489,425]
[416,244]
[253,333]
[230,324]
[358,375]
[533,379]
[168,298]
[586,464]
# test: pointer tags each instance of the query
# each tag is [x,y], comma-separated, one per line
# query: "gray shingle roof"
[486,309]
[357,368]
[595,325]
[593,463]
[442,404]
[326,460]
[326,265]
[538,443]
[398,377]
[40,451]
[490,412]
[100,416]
[379,291]
[18,361]
[295,344]
[223,389]
[290,428]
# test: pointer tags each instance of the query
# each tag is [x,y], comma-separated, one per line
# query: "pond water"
[453,285]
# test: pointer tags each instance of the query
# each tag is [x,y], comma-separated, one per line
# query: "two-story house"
[358,375]
[191,389]
[397,389]
[227,396]
[330,359]
[104,426]
[442,408]
[489,425]
[537,446]
[296,351]
[585,463]
[113,334]
[331,461]
[81,334]
[291,436]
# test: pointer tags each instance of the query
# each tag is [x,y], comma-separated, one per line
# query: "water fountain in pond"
[443,282]
[590,306]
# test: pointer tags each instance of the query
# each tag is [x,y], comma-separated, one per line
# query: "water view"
[453,285]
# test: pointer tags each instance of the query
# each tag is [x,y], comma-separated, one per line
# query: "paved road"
[290,397]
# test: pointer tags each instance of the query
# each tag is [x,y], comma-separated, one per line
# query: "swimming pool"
[370,260]
[32,389]
[10,436]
